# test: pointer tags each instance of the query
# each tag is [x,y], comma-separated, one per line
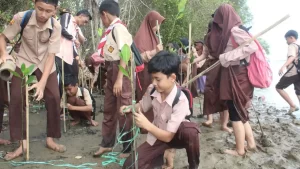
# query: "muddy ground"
[281,130]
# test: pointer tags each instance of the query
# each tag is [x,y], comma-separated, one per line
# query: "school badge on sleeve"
[12,22]
[111,49]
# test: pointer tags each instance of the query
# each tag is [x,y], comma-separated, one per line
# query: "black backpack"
[93,101]
[297,65]
[137,56]
[187,93]
[23,24]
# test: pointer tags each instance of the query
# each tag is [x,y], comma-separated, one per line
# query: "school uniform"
[112,104]
[36,43]
[80,99]
[291,76]
[3,93]
[150,153]
[68,51]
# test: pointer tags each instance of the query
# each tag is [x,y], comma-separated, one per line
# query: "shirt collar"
[170,98]
[33,21]
[78,94]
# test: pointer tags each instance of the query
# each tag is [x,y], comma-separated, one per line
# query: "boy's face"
[290,40]
[199,48]
[162,82]
[71,90]
[83,20]
[104,19]
[44,11]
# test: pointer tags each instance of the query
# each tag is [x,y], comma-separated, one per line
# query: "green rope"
[113,156]
[51,163]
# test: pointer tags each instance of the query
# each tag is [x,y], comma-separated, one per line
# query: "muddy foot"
[101,151]
[12,155]
[4,142]
[94,123]
[234,153]
[124,155]
[227,129]
[56,147]
[209,125]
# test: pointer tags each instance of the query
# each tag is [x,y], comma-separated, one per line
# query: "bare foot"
[4,142]
[169,156]
[94,123]
[227,129]
[17,153]
[234,153]
[75,122]
[293,109]
[101,151]
[124,155]
[207,124]
[251,149]
[54,146]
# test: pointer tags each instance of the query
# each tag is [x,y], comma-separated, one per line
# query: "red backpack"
[259,71]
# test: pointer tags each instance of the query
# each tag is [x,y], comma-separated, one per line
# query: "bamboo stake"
[132,70]
[8,91]
[64,99]
[189,54]
[27,120]
[158,32]
[249,41]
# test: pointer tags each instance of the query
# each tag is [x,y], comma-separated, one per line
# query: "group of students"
[162,107]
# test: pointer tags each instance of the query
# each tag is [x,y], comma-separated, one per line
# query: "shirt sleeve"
[146,102]
[180,111]
[87,97]
[240,53]
[292,50]
[122,36]
[64,22]
[14,27]
[54,41]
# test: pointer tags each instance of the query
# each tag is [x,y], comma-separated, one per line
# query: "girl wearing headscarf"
[209,102]
[147,42]
[229,82]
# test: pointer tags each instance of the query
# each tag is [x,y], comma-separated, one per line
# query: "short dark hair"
[199,41]
[164,62]
[111,7]
[84,12]
[52,2]
[70,80]
[292,33]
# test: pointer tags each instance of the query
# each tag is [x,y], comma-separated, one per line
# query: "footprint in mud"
[266,141]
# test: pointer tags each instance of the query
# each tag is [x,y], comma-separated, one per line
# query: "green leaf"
[100,32]
[125,53]
[23,67]
[30,79]
[125,73]
[181,6]
[192,59]
[180,15]
[15,73]
[28,70]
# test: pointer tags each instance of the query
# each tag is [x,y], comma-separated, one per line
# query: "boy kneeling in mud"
[79,103]
[169,129]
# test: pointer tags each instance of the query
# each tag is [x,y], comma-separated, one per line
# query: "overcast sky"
[267,12]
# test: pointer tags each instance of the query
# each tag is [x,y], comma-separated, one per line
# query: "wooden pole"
[8,91]
[189,54]
[63,89]
[249,41]
[132,71]
[27,120]
[158,32]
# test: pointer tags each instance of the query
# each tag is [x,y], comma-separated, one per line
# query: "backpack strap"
[176,100]
[236,45]
[82,95]
[151,92]
[23,24]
